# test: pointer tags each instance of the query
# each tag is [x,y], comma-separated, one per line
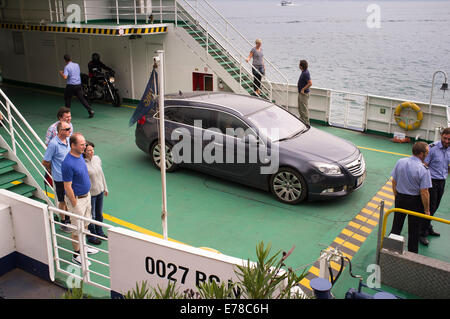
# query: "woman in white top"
[98,187]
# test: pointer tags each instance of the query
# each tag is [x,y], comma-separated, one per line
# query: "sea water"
[346,50]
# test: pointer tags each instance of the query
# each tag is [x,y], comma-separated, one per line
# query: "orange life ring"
[402,123]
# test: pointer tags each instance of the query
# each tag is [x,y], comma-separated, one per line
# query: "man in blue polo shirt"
[77,186]
[54,155]
[71,73]
[438,160]
[410,182]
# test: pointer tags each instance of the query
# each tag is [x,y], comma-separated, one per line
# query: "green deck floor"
[208,212]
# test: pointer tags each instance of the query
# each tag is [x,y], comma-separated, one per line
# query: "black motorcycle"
[99,85]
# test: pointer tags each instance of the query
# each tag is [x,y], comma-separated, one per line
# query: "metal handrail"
[187,18]
[238,56]
[80,220]
[243,38]
[409,212]
[18,138]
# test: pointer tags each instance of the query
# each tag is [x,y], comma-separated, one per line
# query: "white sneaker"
[91,251]
[77,260]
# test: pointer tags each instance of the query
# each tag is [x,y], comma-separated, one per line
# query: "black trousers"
[413,203]
[76,90]
[436,193]
[257,77]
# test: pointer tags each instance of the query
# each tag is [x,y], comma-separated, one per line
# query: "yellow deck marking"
[360,227]
[344,243]
[372,205]
[305,283]
[387,188]
[361,218]
[386,202]
[386,195]
[314,270]
[353,235]
[367,211]
[382,151]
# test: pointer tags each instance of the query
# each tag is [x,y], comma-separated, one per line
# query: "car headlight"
[328,169]
[111,79]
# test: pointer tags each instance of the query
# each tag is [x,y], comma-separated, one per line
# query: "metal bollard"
[321,288]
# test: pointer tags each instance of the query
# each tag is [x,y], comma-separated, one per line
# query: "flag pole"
[160,60]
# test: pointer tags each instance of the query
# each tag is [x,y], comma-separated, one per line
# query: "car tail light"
[141,120]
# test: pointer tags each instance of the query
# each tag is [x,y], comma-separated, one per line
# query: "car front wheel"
[288,186]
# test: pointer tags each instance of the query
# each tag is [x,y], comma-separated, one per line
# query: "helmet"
[96,57]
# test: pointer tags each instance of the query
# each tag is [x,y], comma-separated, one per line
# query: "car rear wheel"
[288,186]
[155,153]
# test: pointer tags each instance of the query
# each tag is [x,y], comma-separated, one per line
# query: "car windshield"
[277,124]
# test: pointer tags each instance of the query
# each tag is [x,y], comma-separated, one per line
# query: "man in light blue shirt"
[438,160]
[410,182]
[71,73]
[54,155]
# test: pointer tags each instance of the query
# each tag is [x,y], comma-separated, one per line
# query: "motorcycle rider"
[95,65]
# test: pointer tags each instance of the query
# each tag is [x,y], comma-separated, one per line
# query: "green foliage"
[140,292]
[168,293]
[74,293]
[211,290]
[267,279]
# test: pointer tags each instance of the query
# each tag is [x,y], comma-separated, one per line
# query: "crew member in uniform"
[411,180]
[72,73]
[438,161]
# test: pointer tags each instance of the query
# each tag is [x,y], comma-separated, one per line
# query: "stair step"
[199,38]
[23,189]
[214,50]
[38,199]
[194,31]
[232,69]
[218,56]
[4,163]
[7,185]
[11,176]
[226,62]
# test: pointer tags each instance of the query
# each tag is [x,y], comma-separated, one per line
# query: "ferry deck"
[204,211]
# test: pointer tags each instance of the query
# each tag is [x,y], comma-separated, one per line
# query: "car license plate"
[360,179]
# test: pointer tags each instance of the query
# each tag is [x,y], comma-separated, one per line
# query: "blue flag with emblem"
[149,99]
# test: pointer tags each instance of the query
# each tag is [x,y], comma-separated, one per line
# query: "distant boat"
[286,3]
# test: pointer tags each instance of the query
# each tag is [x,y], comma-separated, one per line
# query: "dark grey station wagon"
[253,142]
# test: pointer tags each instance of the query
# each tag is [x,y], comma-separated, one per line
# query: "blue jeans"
[97,208]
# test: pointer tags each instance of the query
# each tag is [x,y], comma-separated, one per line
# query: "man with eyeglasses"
[63,115]
[54,155]
[77,186]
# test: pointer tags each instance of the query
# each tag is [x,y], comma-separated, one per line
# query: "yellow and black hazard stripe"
[354,234]
[98,30]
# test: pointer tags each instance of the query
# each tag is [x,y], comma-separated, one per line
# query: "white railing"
[26,145]
[375,113]
[202,14]
[60,242]
[196,15]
